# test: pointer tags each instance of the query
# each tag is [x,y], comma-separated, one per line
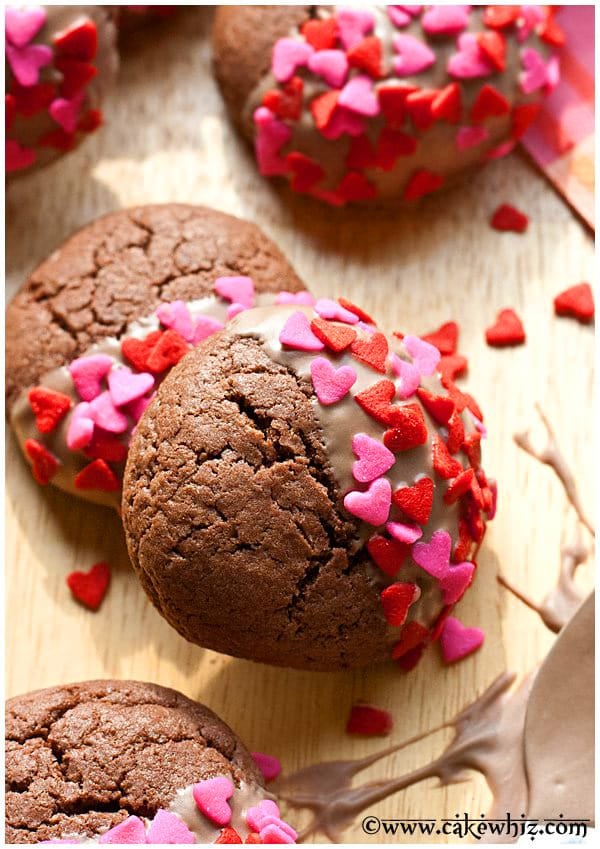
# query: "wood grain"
[167,139]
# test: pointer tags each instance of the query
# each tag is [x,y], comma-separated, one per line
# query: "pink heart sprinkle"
[343,121]
[66,112]
[26,62]
[400,16]
[445,20]
[353,25]
[304,298]
[271,136]
[289,54]
[331,65]
[129,831]
[236,290]
[552,74]
[415,56]
[456,581]
[470,61]
[125,386]
[269,765]
[372,506]
[296,333]
[168,828]
[211,798]
[529,18]
[374,459]
[535,74]
[256,815]
[87,374]
[424,355]
[467,137]
[205,326]
[332,311]
[235,309]
[358,96]
[137,408]
[21,25]
[275,830]
[404,532]
[331,384]
[434,556]
[18,157]
[410,376]
[81,427]
[502,150]
[176,316]
[458,641]
[106,415]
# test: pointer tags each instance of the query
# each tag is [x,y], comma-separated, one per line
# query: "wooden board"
[167,139]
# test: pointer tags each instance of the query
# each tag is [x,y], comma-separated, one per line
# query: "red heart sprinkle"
[228,835]
[336,336]
[388,554]
[439,407]
[391,145]
[322,35]
[372,351]
[97,475]
[369,720]
[355,187]
[462,549]
[90,121]
[76,75]
[29,100]
[306,173]
[419,105]
[137,351]
[49,407]
[167,352]
[438,625]
[104,446]
[411,636]
[376,401]
[322,108]
[443,462]
[476,523]
[44,465]
[287,101]
[489,103]
[550,32]
[348,305]
[462,399]
[10,109]
[366,56]
[361,153]
[447,105]
[493,46]
[445,338]
[499,17]
[509,218]
[577,302]
[410,658]
[508,330]
[79,41]
[392,102]
[396,599]
[456,432]
[59,139]
[452,365]
[408,429]
[422,183]
[89,588]
[472,448]
[523,117]
[459,486]
[253,838]
[416,500]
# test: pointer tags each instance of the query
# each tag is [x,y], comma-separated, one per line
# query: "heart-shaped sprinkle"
[413,634]
[353,25]
[458,641]
[396,599]
[577,302]
[271,136]
[410,376]
[87,373]
[211,798]
[44,465]
[416,500]
[331,384]
[129,831]
[97,475]
[106,415]
[176,315]
[445,338]
[137,351]
[170,829]
[89,588]
[456,432]
[136,408]
[336,337]
[289,54]
[372,506]
[392,100]
[500,17]
[414,55]
[373,351]
[403,532]
[81,427]
[459,486]
[296,333]
[359,96]
[467,137]
[76,74]
[388,554]
[409,429]
[369,721]
[304,298]
[445,20]
[168,350]
[333,311]
[444,464]
[421,183]
[205,326]
[376,402]
[419,105]
[48,406]
[424,355]
[230,835]
[493,45]
[366,56]
[124,386]
[234,309]
[470,61]
[447,105]
[79,41]
[535,72]
[508,330]
[21,25]
[434,556]
[269,765]
[320,33]
[489,103]
[439,407]
[400,16]
[343,122]
[331,65]
[277,831]
[256,815]
[239,290]
[105,447]
[66,112]
[452,365]
[285,102]
[17,157]
[457,581]
[508,218]
[26,62]
[374,459]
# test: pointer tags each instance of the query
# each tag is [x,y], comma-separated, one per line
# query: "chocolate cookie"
[375,102]
[60,60]
[99,323]
[126,762]
[305,492]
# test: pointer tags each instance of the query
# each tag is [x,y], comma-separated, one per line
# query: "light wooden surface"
[167,139]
